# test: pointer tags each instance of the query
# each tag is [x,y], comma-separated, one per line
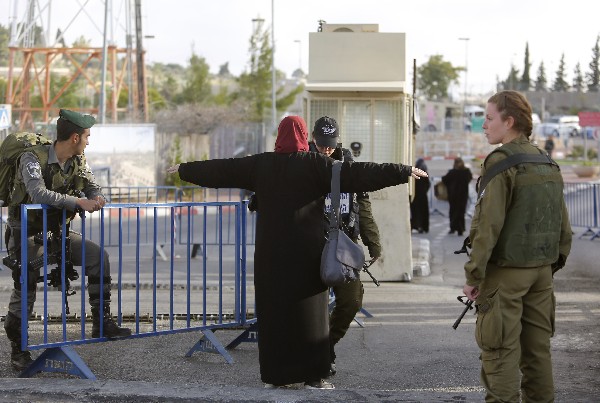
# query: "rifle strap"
[509,162]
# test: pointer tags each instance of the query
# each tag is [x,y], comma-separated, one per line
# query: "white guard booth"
[358,77]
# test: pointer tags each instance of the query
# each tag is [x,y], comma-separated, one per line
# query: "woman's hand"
[418,173]
[173,170]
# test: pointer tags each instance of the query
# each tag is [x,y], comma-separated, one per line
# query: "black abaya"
[291,300]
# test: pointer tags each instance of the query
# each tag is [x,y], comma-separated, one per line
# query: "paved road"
[408,351]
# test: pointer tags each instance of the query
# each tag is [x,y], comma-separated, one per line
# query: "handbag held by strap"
[341,260]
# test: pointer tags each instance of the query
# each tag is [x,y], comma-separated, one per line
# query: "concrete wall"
[562,103]
[356,57]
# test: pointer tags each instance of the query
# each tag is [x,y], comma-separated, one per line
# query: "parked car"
[561,127]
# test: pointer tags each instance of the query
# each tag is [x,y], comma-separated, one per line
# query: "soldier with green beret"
[58,175]
[520,235]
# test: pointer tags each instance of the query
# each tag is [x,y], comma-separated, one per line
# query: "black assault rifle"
[366,270]
[468,303]
[53,256]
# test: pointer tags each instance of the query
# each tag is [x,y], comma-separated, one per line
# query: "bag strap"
[334,212]
[511,161]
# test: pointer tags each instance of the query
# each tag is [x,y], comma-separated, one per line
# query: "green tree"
[560,84]
[578,81]
[436,76]
[525,83]
[512,81]
[175,157]
[196,89]
[593,76]
[4,39]
[541,83]
[3,87]
[169,89]
[255,82]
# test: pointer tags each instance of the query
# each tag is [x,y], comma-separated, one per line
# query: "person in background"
[356,219]
[457,183]
[63,167]
[549,145]
[290,185]
[520,235]
[419,207]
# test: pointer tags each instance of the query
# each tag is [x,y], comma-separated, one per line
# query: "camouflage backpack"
[11,149]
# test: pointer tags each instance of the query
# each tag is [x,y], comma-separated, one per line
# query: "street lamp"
[466,64]
[273,99]
[299,42]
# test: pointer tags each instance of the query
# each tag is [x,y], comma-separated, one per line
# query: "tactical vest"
[531,232]
[348,217]
[70,183]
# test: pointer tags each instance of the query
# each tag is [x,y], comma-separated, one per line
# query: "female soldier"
[520,235]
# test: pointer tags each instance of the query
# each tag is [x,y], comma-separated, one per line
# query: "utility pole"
[273,79]
[141,79]
[466,64]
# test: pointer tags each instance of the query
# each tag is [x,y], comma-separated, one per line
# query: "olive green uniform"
[519,229]
[349,296]
[37,170]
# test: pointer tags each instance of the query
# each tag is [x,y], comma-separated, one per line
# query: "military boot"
[109,327]
[18,359]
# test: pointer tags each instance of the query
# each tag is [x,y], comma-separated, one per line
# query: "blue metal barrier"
[158,297]
[171,194]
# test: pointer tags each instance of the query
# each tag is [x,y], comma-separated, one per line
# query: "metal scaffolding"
[107,71]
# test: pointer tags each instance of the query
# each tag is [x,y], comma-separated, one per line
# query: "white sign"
[5,116]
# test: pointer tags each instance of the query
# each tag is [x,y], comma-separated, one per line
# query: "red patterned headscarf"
[292,135]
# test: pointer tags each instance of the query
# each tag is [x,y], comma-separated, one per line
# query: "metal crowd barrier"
[582,200]
[156,297]
[583,203]
[162,194]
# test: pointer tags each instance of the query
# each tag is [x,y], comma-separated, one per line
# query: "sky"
[219,31]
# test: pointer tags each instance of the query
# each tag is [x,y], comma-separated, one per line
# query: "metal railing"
[142,197]
[582,200]
[158,297]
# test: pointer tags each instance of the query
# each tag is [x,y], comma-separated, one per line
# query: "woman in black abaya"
[291,300]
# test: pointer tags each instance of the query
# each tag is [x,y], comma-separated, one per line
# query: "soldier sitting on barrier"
[56,175]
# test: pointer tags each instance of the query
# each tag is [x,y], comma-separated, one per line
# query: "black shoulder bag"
[341,260]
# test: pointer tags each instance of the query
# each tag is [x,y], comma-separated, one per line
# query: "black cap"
[326,132]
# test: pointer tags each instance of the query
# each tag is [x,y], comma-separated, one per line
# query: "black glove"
[559,264]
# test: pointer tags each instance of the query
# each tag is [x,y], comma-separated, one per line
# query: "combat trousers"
[92,271]
[515,321]
[348,301]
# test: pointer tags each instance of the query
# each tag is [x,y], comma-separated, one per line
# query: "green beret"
[79,119]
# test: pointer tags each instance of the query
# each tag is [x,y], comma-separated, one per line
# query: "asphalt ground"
[407,352]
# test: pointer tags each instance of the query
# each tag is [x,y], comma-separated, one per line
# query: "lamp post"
[273,99]
[299,42]
[466,64]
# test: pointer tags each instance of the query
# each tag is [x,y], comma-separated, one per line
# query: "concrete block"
[421,268]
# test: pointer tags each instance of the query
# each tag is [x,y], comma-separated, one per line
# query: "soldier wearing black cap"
[357,219]
[58,175]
